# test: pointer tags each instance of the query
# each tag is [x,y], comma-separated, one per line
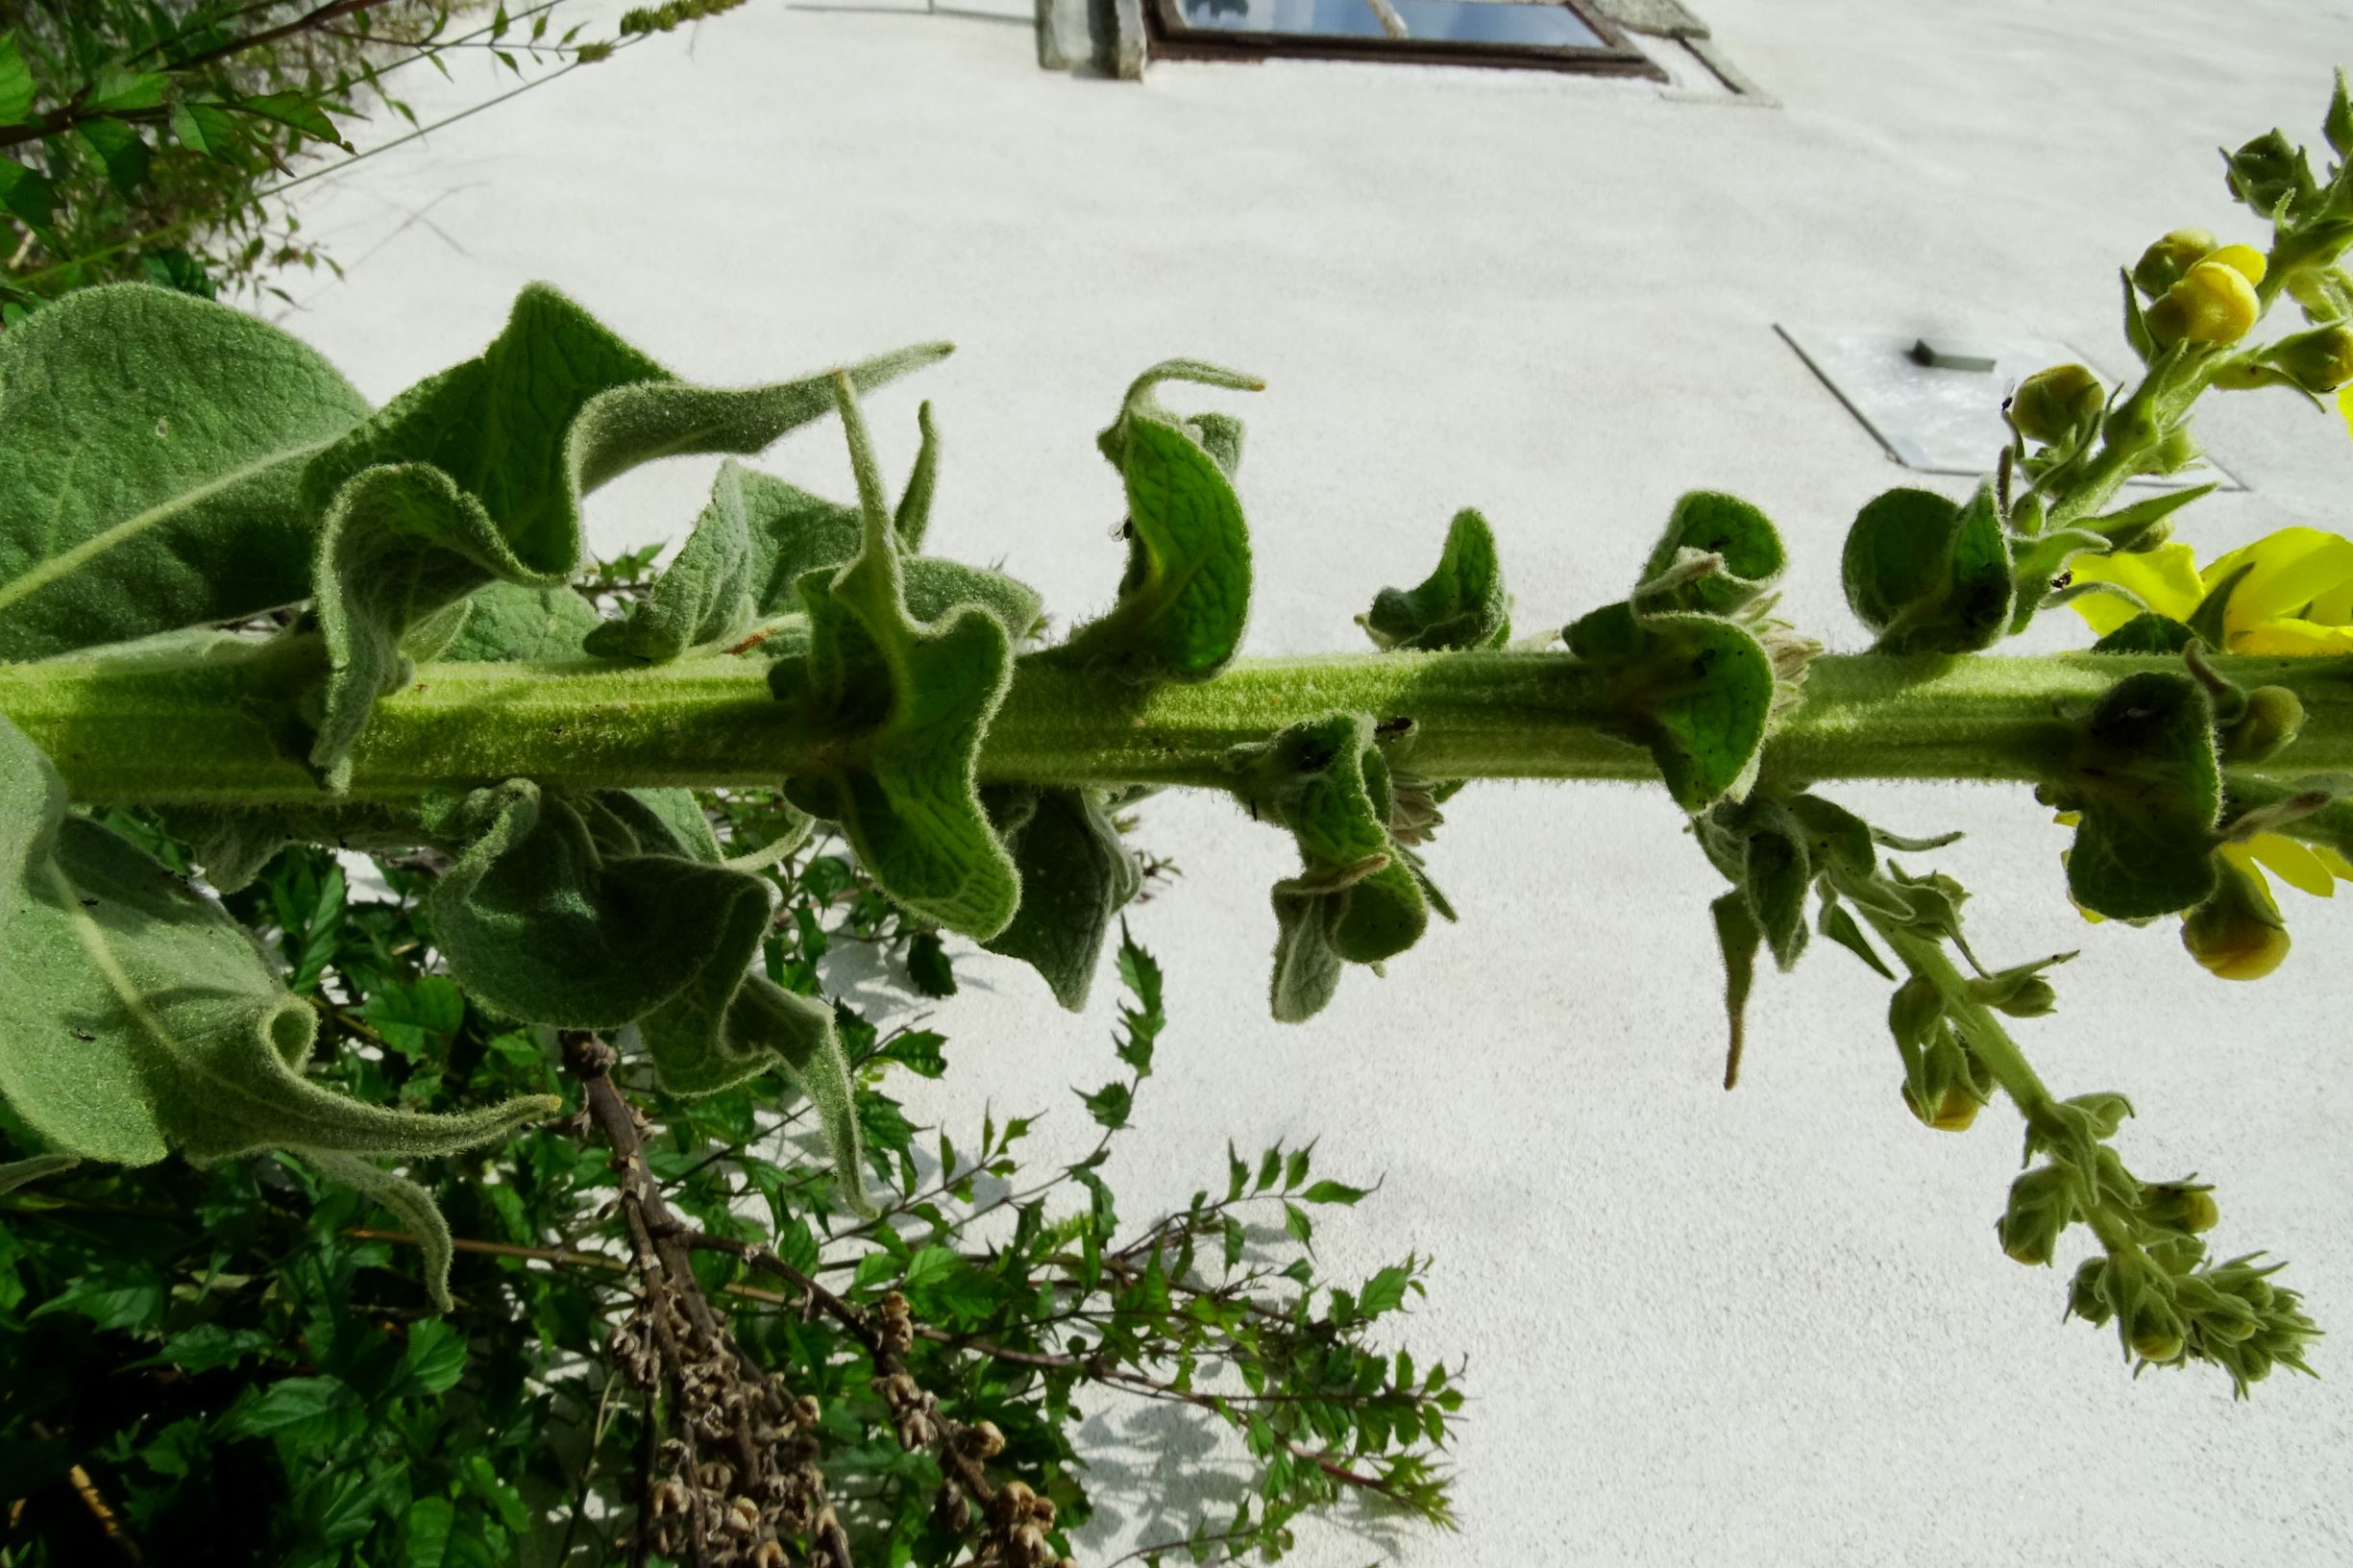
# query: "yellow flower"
[2215,301]
[2295,598]
[2238,935]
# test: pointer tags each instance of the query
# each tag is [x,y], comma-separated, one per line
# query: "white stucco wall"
[1771,1328]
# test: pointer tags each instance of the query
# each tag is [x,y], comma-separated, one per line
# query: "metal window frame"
[1173,38]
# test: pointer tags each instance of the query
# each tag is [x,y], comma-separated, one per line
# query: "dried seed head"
[743,1516]
[669,1497]
[985,1438]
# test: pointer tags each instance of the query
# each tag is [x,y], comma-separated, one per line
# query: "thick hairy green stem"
[176,728]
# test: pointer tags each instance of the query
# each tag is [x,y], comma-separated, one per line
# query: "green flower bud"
[1952,1110]
[2179,1206]
[2087,1294]
[2163,263]
[2154,1330]
[2177,451]
[2266,727]
[2041,1205]
[2319,360]
[2237,933]
[2214,302]
[2051,405]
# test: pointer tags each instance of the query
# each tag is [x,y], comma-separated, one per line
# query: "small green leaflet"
[1461,605]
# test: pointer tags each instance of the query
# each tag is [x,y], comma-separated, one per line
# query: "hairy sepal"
[1717,555]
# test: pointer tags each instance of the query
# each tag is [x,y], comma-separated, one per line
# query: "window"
[1559,35]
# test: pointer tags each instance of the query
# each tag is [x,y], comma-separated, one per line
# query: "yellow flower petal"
[2293,864]
[2166,579]
[2245,260]
[2334,608]
[2293,640]
[2288,571]
[2345,407]
[2340,867]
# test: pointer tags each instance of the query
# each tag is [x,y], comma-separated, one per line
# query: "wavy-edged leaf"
[585,914]
[1186,594]
[1077,873]
[908,701]
[139,1018]
[150,477]
[479,473]
[1696,690]
[1930,576]
[2149,788]
[1461,605]
[1354,900]
[1717,554]
[410,1203]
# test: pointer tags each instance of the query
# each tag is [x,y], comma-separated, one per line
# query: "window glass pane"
[1295,18]
[1496,21]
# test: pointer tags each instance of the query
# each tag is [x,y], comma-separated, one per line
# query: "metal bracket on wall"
[1934,399]
[1093,38]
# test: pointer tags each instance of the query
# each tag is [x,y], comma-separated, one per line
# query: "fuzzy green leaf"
[509,621]
[477,474]
[2148,785]
[151,476]
[1076,874]
[1694,688]
[1928,575]
[1717,554]
[1354,900]
[2147,632]
[1187,591]
[139,1018]
[586,914]
[908,701]
[413,1204]
[1461,605]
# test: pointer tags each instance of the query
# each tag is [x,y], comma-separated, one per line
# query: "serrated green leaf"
[1331,1192]
[2149,786]
[15,82]
[206,128]
[140,1018]
[1461,605]
[1695,690]
[26,195]
[298,110]
[1717,554]
[477,474]
[908,701]
[1076,874]
[1187,591]
[121,149]
[138,503]
[1930,577]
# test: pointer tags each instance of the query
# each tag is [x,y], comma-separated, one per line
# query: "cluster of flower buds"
[1943,1083]
[2170,1307]
[2199,291]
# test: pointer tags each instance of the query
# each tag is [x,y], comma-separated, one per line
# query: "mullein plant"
[236,594]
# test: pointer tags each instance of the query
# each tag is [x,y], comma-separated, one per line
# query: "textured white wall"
[1772,1328]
